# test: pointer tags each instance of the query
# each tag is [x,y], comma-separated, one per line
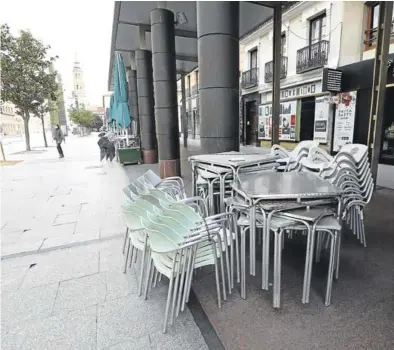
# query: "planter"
[129,155]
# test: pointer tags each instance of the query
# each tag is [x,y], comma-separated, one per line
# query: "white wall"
[369,54]
[352,38]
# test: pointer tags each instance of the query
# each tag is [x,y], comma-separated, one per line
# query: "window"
[317,29]
[372,23]
[253,59]
[283,45]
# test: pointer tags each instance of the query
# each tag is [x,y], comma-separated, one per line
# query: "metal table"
[233,161]
[272,186]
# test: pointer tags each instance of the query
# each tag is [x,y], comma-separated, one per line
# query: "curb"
[59,247]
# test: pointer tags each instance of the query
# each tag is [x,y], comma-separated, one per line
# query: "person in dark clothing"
[59,138]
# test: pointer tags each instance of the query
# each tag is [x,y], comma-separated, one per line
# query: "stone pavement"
[62,285]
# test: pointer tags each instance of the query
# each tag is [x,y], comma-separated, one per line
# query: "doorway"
[307,118]
[250,123]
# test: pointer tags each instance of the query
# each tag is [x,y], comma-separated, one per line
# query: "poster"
[344,119]
[322,110]
[287,121]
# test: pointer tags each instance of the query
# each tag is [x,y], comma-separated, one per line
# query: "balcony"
[371,36]
[269,70]
[312,57]
[250,78]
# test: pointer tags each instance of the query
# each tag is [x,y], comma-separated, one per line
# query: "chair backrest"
[308,144]
[153,178]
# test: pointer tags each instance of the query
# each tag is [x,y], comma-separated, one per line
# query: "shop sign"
[295,91]
[287,121]
[344,119]
[322,110]
[332,80]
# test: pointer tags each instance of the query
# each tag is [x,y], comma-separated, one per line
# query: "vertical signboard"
[344,119]
[322,110]
[287,121]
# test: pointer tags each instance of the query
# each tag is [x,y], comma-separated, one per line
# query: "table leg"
[277,269]
[308,265]
[194,190]
[252,240]
[266,251]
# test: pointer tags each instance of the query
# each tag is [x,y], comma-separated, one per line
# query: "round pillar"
[218,63]
[165,90]
[143,60]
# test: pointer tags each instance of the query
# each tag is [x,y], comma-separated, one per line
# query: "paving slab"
[24,306]
[64,268]
[121,320]
[142,343]
[79,293]
[76,330]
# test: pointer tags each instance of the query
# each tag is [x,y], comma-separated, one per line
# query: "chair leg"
[125,239]
[142,268]
[338,254]
[127,256]
[131,255]
[331,268]
[149,270]
[319,245]
[178,265]
[168,304]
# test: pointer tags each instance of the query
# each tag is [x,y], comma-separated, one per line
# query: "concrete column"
[276,54]
[133,98]
[218,58]
[143,60]
[165,90]
[183,110]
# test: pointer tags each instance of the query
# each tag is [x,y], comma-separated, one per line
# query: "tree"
[41,109]
[82,117]
[24,73]
[98,121]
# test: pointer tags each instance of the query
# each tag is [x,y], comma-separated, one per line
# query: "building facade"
[11,124]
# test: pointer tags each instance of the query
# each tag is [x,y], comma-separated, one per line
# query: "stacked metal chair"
[350,170]
[290,160]
[175,238]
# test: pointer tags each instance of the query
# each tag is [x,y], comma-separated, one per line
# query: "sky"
[70,27]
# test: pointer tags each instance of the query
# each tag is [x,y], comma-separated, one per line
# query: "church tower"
[79,93]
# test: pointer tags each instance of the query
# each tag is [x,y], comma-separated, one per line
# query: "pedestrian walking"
[59,138]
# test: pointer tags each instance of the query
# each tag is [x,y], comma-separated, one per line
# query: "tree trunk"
[43,131]
[27,133]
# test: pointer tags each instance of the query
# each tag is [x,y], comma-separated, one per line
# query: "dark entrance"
[307,118]
[251,122]
[387,146]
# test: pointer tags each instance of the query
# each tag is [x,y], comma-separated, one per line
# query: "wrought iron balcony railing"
[269,70]
[371,35]
[250,78]
[312,57]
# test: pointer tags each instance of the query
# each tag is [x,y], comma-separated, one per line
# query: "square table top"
[291,185]
[233,159]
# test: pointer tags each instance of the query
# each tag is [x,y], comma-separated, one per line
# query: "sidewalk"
[61,237]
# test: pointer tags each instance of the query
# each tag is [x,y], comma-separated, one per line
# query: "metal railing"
[269,70]
[250,78]
[371,35]
[312,56]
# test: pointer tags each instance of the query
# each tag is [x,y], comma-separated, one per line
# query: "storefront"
[357,80]
[249,121]
[305,114]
